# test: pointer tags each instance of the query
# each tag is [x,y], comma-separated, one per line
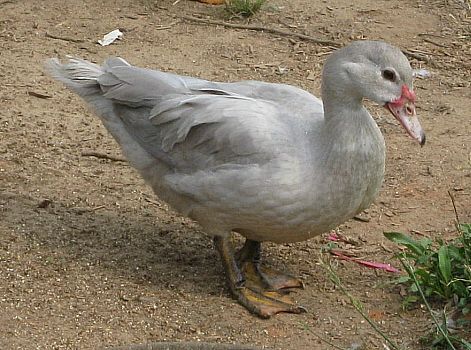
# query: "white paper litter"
[110,37]
[421,73]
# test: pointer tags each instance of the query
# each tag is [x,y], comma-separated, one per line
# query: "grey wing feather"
[139,86]
[187,123]
[193,124]
[207,131]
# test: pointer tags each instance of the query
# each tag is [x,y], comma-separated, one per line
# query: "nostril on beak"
[422,142]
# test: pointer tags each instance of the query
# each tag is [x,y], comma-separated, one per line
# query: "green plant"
[442,339]
[438,271]
[443,270]
[244,8]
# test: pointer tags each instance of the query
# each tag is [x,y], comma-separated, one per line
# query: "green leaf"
[455,253]
[459,288]
[465,228]
[402,279]
[444,263]
[466,344]
[423,274]
[405,240]
[409,300]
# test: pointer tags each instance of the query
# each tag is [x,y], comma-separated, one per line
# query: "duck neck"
[349,131]
[346,118]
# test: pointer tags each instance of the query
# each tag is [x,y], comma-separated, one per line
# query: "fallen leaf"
[371,264]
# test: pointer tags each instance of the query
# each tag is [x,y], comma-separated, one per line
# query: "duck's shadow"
[143,249]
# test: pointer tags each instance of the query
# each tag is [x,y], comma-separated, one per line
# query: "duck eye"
[389,75]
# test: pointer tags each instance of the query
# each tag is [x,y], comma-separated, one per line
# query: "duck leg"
[249,260]
[258,291]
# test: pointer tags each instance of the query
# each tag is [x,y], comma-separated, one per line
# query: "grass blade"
[356,303]
[405,240]
[411,273]
[444,263]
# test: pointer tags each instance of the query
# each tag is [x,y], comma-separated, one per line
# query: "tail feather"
[86,79]
[78,75]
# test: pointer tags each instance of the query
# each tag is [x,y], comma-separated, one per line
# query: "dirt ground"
[89,258]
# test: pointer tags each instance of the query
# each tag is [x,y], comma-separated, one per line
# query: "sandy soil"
[89,258]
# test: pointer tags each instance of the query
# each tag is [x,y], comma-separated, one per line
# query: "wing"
[192,124]
[206,131]
[188,123]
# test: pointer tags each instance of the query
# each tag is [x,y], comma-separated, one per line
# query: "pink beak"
[403,109]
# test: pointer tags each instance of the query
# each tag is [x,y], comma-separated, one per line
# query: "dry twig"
[153,202]
[57,37]
[304,37]
[433,42]
[38,95]
[6,2]
[417,56]
[454,208]
[262,29]
[102,156]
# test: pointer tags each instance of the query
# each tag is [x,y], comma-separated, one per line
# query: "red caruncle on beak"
[406,95]
[403,109]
